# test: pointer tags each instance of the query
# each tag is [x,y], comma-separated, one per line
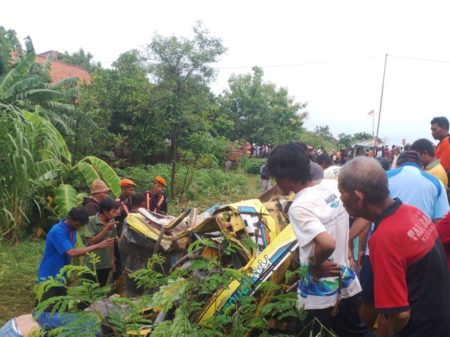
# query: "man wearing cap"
[128,188]
[99,192]
[155,201]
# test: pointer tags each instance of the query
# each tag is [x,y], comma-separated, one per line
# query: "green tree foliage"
[121,98]
[345,140]
[260,112]
[361,136]
[181,70]
[316,140]
[80,58]
[324,132]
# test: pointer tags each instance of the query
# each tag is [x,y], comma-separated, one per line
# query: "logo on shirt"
[332,201]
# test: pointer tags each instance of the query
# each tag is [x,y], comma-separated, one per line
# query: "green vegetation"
[18,277]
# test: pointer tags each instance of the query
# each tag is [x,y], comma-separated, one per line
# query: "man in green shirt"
[100,227]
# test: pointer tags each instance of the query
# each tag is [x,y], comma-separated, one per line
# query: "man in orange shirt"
[439,131]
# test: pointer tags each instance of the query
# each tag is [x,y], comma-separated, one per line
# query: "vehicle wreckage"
[262,221]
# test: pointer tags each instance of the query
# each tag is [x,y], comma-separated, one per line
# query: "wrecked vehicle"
[271,253]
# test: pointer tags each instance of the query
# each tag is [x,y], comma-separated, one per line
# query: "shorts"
[10,329]
[366,281]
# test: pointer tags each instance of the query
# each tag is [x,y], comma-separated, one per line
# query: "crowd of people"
[394,201]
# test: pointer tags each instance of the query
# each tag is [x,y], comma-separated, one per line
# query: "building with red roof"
[61,70]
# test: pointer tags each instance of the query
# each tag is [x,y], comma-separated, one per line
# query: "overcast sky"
[327,53]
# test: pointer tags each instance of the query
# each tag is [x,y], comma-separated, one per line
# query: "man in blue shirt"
[418,188]
[60,244]
[59,250]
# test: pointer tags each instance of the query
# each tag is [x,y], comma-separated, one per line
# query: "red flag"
[370,113]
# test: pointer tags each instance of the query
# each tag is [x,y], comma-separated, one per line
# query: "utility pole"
[381,98]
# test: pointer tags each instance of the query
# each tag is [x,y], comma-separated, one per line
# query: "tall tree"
[180,68]
[261,112]
[123,100]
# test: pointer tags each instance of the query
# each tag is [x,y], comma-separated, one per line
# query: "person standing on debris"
[99,191]
[328,288]
[155,200]
[265,178]
[100,227]
[411,280]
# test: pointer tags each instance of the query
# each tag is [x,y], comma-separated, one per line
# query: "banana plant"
[91,168]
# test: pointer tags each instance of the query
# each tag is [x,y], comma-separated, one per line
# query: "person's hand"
[106,243]
[361,254]
[351,261]
[110,225]
[326,269]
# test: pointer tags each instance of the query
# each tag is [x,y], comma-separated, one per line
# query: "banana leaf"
[94,168]
[65,199]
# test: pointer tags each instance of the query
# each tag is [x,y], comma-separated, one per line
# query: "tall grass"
[18,277]
[30,152]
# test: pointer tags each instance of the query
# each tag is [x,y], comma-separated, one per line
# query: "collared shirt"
[436,169]
[410,271]
[94,227]
[59,240]
[419,189]
[443,153]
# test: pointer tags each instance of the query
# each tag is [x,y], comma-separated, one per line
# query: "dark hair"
[323,159]
[79,214]
[107,205]
[290,161]
[423,145]
[384,163]
[441,121]
[408,157]
[137,199]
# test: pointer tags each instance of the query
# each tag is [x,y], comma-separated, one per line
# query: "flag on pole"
[370,113]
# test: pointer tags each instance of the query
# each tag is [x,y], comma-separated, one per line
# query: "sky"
[328,53]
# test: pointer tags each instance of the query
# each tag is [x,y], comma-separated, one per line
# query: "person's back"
[418,188]
[410,270]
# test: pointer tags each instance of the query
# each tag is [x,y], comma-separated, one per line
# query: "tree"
[80,58]
[345,140]
[361,136]
[260,112]
[180,69]
[324,131]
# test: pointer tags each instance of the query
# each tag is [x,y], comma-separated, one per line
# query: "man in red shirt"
[411,279]
[439,131]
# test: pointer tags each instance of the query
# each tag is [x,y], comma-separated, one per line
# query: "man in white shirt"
[328,288]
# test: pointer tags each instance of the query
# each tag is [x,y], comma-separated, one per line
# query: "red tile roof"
[61,70]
